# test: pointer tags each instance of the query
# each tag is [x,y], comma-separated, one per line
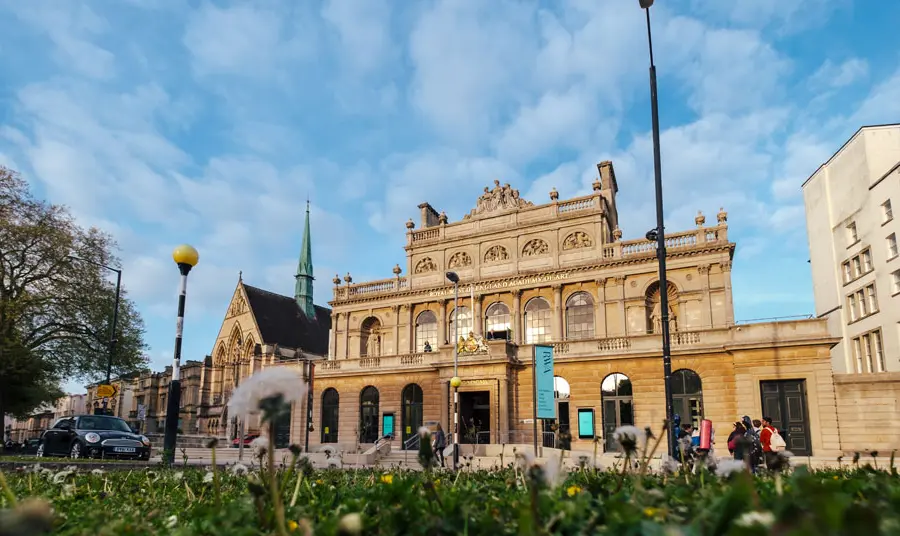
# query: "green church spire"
[303,289]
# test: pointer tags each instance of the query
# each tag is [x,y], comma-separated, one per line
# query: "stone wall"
[868,407]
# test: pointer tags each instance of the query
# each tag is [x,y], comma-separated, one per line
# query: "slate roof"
[281,322]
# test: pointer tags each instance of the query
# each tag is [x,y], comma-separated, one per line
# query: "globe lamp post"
[453,277]
[186,257]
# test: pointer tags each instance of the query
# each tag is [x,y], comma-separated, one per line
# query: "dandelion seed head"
[726,468]
[267,383]
[749,519]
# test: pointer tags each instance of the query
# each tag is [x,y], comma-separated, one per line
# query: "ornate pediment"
[500,199]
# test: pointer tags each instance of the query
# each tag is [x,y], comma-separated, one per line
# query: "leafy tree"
[56,310]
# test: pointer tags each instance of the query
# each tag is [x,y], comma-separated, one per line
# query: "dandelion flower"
[238,469]
[335,463]
[572,491]
[630,437]
[172,522]
[97,472]
[387,479]
[270,382]
[208,477]
[292,525]
[260,446]
[763,519]
[350,524]
[726,468]
[424,431]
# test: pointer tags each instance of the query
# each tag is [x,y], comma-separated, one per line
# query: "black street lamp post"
[112,334]
[658,234]
[186,257]
[455,382]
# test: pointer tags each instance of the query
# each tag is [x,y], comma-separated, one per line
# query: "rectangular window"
[852,236]
[892,245]
[872,297]
[848,274]
[879,351]
[886,211]
[857,267]
[867,348]
[896,281]
[851,305]
[867,260]
[857,355]
[861,301]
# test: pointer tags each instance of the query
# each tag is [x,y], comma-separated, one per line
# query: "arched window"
[330,404]
[687,396]
[426,330]
[618,407]
[537,321]
[496,321]
[579,316]
[370,337]
[411,414]
[465,324]
[368,415]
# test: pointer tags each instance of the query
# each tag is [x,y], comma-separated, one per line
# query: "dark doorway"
[687,396]
[785,402]
[475,417]
[412,398]
[368,415]
[330,405]
[283,430]
[618,408]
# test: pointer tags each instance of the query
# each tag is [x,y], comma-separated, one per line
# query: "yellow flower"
[319,482]
[292,525]
[573,491]
[836,477]
[438,481]
[650,512]
[387,479]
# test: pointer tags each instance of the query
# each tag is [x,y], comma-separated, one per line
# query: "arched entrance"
[618,407]
[556,431]
[368,415]
[330,404]
[687,396]
[411,414]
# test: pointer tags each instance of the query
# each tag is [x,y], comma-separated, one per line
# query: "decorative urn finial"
[410,224]
[554,195]
[617,234]
[348,279]
[397,270]
[597,185]
[700,219]
[722,216]
[336,280]
[442,218]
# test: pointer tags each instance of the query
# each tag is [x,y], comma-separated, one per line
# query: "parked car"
[247,440]
[93,436]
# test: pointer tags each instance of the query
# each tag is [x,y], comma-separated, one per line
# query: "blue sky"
[211,122]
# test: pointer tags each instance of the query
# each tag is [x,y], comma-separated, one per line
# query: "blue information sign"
[543,363]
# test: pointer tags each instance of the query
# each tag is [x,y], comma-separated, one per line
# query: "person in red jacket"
[765,439]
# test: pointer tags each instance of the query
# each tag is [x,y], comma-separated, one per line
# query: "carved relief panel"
[577,240]
[535,247]
[425,266]
[496,254]
[460,259]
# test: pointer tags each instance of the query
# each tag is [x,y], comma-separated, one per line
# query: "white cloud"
[831,75]
[364,32]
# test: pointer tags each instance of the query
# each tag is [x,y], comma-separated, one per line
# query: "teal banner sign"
[543,364]
[387,424]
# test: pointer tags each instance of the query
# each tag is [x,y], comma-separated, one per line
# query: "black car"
[93,436]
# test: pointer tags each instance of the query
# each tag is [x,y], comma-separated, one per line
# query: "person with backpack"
[439,443]
[771,441]
[753,448]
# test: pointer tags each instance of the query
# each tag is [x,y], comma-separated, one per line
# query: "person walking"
[734,439]
[439,443]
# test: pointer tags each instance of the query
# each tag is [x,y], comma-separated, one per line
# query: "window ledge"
[853,243]
[892,258]
[885,222]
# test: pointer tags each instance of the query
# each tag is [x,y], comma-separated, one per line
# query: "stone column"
[347,337]
[620,297]
[334,337]
[396,310]
[600,309]
[411,330]
[517,316]
[478,319]
[445,409]
[557,314]
[442,323]
[729,303]
[503,403]
[706,304]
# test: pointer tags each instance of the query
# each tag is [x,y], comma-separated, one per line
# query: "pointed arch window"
[579,316]
[426,330]
[537,321]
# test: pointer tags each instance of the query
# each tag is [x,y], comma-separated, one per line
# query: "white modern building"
[850,204]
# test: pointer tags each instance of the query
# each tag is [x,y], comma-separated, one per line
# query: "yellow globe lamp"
[185,254]
[455,382]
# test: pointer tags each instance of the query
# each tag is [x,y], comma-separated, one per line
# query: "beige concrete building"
[853,247]
[559,273]
[850,203]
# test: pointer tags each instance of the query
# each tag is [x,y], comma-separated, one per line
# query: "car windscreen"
[95,422]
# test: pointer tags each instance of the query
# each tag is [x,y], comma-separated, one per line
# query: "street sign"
[105,390]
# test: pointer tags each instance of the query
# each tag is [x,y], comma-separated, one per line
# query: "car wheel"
[76,450]
[40,451]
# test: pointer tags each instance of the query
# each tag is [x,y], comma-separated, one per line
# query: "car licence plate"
[123,449]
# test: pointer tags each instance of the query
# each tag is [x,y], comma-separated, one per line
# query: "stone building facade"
[560,274]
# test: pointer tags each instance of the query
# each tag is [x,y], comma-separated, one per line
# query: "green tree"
[55,310]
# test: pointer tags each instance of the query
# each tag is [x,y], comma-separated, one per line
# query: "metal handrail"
[407,445]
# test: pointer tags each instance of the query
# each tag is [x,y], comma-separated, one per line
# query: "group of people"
[756,441]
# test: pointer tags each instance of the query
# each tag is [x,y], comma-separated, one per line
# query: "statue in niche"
[656,319]
[578,239]
[496,254]
[535,247]
[373,344]
[426,265]
[460,259]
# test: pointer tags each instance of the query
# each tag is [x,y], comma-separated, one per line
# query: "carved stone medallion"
[576,240]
